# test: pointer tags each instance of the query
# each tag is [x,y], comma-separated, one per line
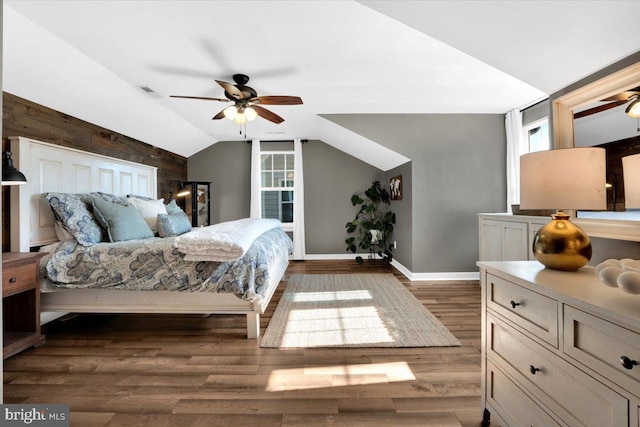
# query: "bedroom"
[476,146]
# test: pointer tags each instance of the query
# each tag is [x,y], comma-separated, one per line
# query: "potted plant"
[372,225]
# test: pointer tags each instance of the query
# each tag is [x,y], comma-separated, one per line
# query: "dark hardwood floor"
[187,370]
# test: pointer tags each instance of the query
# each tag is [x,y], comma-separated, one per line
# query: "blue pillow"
[173,208]
[74,212]
[173,225]
[121,222]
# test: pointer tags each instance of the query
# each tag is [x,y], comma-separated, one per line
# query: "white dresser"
[558,348]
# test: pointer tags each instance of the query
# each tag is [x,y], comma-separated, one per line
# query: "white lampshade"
[240,119]
[568,178]
[633,110]
[230,112]
[250,113]
[631,173]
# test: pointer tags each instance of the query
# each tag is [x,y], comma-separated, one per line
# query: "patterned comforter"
[155,264]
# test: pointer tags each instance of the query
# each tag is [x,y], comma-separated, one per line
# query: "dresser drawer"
[18,279]
[533,312]
[515,406]
[566,391]
[600,345]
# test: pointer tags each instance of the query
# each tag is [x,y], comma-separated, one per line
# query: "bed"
[147,275]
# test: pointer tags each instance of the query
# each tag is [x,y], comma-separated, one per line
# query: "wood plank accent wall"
[21,117]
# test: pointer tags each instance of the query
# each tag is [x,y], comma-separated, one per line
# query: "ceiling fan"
[247,104]
[632,96]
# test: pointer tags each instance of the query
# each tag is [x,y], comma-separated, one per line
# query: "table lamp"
[631,176]
[568,178]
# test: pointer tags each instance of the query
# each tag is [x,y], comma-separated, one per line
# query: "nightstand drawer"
[516,406]
[565,390]
[18,279]
[533,312]
[601,345]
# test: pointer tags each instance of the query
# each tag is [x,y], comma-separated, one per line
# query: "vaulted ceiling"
[90,59]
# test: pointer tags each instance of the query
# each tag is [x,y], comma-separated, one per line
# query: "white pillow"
[149,210]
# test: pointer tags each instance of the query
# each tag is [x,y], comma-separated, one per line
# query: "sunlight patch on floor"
[335,326]
[338,376]
[331,296]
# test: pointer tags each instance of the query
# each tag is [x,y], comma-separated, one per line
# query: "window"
[276,185]
[536,136]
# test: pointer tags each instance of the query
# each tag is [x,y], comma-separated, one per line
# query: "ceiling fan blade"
[624,96]
[277,100]
[598,109]
[200,97]
[231,89]
[268,115]
[218,116]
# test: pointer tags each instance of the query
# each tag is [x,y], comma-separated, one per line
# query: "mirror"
[606,124]
[563,108]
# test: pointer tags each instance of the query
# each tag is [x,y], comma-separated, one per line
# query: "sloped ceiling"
[89,59]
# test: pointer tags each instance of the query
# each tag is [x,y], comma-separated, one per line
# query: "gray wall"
[331,177]
[403,228]
[227,165]
[458,170]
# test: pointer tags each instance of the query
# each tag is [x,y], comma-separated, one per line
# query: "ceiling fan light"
[633,110]
[251,114]
[240,119]
[230,112]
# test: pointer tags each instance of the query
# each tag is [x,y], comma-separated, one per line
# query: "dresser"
[506,237]
[20,302]
[558,348]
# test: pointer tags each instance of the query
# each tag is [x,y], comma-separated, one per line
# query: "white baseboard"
[441,276]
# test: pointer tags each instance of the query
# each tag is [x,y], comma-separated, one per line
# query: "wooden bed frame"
[50,168]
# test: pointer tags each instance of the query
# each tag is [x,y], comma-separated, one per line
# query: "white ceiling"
[88,59]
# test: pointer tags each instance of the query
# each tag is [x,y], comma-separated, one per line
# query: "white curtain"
[298,204]
[515,148]
[256,209]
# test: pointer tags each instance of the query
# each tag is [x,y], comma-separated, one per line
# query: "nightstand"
[20,302]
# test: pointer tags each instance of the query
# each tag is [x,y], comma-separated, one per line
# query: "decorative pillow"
[121,222]
[112,198]
[149,210]
[173,208]
[62,233]
[74,212]
[173,225]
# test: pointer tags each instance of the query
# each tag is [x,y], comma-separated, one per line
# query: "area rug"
[352,310]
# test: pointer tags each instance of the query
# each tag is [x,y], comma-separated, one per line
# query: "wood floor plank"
[193,370]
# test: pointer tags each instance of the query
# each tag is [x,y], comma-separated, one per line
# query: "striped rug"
[352,310]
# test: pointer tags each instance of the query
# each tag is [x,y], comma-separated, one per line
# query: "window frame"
[287,226]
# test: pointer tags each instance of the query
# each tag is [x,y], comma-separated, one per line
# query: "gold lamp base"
[562,245]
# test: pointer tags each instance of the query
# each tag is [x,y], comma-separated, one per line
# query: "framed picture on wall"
[395,187]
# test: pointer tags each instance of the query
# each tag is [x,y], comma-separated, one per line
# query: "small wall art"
[395,187]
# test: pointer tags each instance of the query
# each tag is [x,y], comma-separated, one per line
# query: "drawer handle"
[627,363]
[533,369]
[13,280]
[514,304]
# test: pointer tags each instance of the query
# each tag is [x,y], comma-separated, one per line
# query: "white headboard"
[53,168]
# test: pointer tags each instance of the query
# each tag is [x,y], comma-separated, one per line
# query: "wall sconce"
[569,178]
[11,175]
[182,189]
[631,176]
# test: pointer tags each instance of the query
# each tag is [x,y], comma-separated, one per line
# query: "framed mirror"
[563,108]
